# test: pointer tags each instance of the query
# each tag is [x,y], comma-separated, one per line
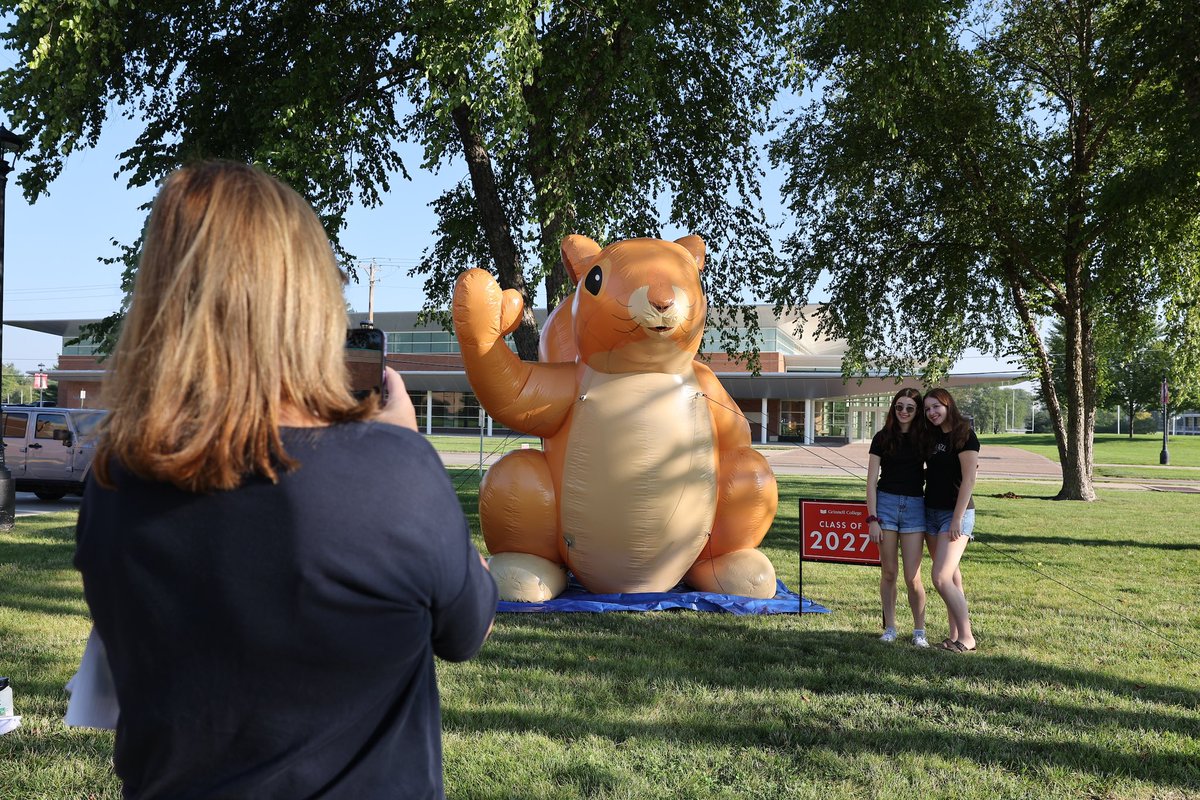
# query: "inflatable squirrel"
[647,476]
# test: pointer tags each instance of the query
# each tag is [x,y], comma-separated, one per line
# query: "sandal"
[956,647]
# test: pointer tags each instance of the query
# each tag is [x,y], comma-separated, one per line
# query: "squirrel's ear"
[578,255]
[694,245]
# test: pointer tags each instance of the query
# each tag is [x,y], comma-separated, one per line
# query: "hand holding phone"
[398,410]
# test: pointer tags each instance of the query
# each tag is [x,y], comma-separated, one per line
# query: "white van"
[49,451]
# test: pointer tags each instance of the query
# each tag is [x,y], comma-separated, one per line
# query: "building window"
[408,342]
[832,419]
[85,347]
[769,340]
[418,401]
[455,412]
[791,420]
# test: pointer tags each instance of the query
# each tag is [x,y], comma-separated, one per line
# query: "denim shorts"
[937,520]
[900,513]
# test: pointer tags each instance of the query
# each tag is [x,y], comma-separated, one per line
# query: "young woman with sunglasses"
[896,509]
[952,458]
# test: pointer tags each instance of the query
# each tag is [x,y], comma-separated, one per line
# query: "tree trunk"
[496,226]
[1076,465]
[1077,328]
[1088,379]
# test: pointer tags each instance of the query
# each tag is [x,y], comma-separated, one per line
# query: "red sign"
[836,530]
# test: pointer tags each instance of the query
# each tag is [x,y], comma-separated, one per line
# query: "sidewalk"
[850,460]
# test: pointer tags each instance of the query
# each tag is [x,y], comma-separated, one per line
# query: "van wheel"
[50,495]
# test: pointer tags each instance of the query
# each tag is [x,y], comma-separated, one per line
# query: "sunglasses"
[905,409]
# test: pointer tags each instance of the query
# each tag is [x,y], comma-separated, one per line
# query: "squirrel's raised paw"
[482,312]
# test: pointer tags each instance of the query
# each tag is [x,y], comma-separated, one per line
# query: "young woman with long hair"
[896,509]
[271,565]
[952,459]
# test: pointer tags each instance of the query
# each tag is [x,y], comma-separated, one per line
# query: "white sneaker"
[889,636]
[919,640]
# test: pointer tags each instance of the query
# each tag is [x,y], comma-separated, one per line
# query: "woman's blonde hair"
[237,315]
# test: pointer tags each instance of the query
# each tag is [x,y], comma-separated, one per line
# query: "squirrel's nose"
[661,297]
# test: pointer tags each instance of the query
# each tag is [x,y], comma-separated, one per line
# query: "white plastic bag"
[93,696]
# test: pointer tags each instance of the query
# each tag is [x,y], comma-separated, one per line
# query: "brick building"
[799,394]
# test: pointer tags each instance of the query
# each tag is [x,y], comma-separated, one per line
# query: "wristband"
[872,518]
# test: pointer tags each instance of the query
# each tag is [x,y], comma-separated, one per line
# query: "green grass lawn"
[1111,448]
[1065,698]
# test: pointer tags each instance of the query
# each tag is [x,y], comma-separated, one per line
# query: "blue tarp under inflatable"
[577,599]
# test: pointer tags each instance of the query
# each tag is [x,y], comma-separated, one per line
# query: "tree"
[1132,368]
[587,117]
[17,386]
[1130,362]
[994,409]
[970,169]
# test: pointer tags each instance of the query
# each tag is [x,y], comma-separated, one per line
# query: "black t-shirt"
[943,472]
[899,473]
[277,640]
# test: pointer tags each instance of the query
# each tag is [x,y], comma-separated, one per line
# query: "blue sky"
[52,247]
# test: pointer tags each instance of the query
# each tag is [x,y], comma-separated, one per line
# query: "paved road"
[28,505]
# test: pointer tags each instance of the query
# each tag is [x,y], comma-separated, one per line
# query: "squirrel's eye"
[594,279]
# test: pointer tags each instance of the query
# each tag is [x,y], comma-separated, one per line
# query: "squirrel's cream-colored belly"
[639,483]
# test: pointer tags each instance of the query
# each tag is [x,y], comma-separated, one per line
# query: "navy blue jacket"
[277,640]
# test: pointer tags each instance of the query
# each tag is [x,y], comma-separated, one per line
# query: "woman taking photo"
[896,510]
[271,565]
[952,458]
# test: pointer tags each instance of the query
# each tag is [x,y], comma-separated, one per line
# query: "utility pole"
[371,291]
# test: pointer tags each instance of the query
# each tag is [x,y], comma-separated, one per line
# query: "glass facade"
[422,342]
[770,340]
[853,418]
[84,348]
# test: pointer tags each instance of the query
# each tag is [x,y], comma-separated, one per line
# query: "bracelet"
[872,518]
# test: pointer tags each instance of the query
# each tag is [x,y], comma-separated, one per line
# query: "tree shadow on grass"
[1075,541]
[31,558]
[756,684]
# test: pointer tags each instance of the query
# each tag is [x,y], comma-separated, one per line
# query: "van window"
[14,425]
[47,424]
[86,421]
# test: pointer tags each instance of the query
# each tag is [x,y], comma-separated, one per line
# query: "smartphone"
[366,349]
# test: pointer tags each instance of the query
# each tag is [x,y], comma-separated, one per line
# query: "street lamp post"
[1165,456]
[41,386]
[9,143]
